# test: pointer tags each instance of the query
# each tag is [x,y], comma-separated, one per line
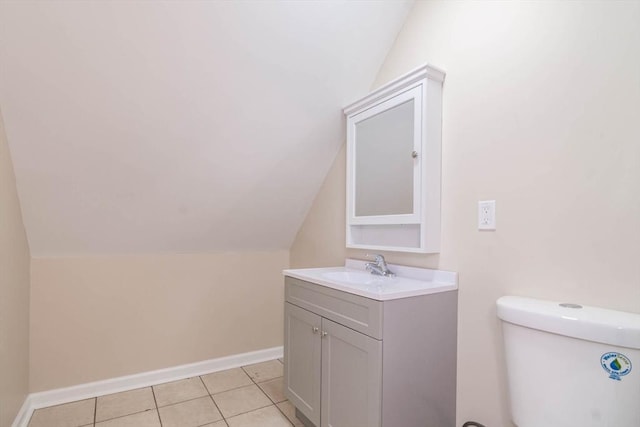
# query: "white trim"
[425,71]
[115,385]
[24,414]
[410,249]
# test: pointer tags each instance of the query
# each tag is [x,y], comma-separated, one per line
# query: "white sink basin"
[353,278]
[357,278]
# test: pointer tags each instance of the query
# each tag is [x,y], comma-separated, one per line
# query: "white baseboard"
[24,414]
[115,385]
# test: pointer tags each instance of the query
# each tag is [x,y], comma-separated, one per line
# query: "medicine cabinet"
[393,165]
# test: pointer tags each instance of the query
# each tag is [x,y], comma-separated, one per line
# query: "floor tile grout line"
[211,397]
[276,404]
[125,415]
[214,402]
[268,397]
[182,401]
[236,388]
[213,422]
[224,391]
[257,385]
[155,401]
[265,380]
[157,407]
[246,412]
[262,382]
[285,415]
[247,373]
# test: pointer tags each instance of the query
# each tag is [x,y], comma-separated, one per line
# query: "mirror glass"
[383,162]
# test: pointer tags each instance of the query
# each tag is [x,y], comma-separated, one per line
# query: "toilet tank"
[569,365]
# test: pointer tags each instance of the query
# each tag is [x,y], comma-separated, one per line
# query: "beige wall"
[14,294]
[320,240]
[94,318]
[541,113]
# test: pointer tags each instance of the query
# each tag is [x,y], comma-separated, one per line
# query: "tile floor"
[250,396]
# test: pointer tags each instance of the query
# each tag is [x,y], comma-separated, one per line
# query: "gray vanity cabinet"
[302,373]
[352,361]
[351,377]
[330,363]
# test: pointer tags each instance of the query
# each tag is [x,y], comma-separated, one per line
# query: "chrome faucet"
[379,267]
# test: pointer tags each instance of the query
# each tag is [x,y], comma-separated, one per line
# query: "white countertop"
[353,278]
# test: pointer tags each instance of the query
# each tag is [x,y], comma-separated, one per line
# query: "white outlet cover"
[487,215]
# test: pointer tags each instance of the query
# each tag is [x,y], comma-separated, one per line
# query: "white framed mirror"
[393,165]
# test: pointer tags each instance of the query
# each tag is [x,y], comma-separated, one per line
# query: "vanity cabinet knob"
[324,334]
[414,154]
[315,329]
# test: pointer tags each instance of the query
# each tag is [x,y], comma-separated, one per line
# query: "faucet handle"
[379,266]
[378,257]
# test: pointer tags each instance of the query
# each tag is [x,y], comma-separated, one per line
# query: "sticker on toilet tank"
[617,365]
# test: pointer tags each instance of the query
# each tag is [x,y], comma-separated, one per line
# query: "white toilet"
[569,365]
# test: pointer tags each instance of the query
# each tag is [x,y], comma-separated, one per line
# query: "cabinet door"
[351,377]
[302,360]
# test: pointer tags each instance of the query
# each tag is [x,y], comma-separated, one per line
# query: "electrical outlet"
[487,215]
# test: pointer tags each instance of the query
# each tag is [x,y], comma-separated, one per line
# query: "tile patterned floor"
[251,396]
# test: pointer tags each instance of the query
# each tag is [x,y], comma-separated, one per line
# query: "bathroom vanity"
[368,351]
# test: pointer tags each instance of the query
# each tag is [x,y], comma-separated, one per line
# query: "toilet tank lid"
[601,325]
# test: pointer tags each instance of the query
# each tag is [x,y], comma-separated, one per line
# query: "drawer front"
[353,311]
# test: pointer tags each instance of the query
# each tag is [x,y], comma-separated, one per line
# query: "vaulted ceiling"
[165,126]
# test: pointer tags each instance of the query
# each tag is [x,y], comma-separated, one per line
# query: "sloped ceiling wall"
[146,127]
